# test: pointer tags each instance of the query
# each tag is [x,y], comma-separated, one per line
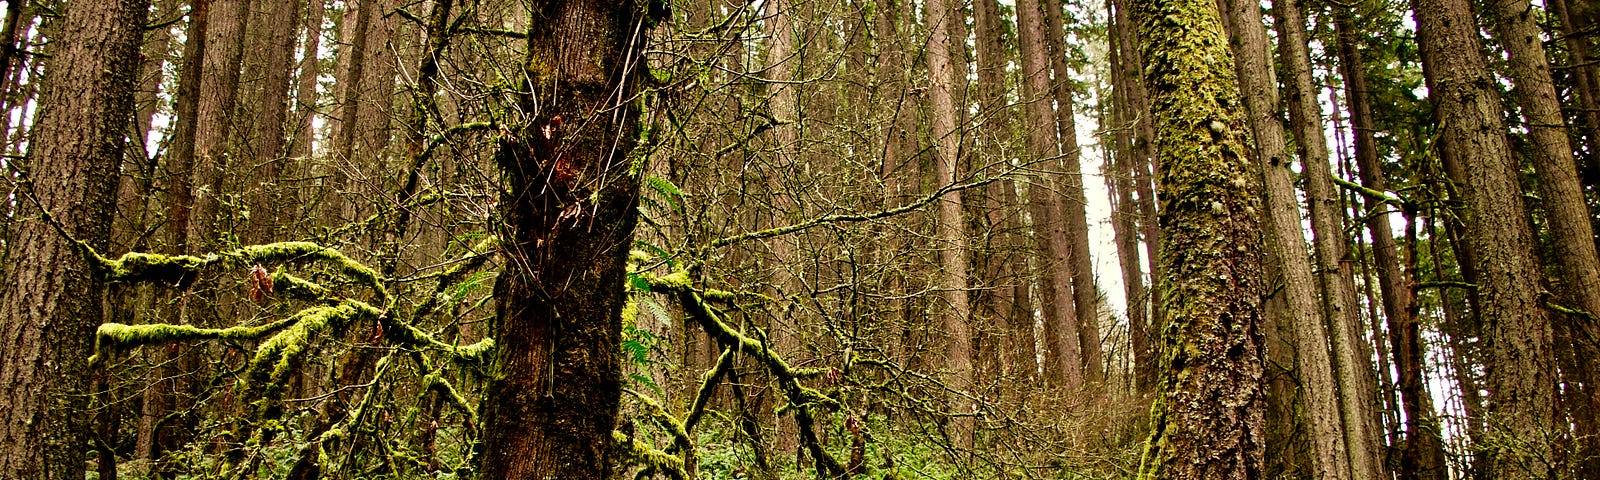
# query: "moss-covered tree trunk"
[1207,419]
[1517,325]
[53,303]
[569,205]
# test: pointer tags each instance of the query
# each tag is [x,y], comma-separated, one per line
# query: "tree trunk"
[1330,460]
[1063,358]
[1207,418]
[53,302]
[1355,386]
[1125,212]
[1499,235]
[1141,163]
[1085,295]
[1013,301]
[1422,455]
[952,233]
[1571,234]
[305,96]
[270,129]
[570,208]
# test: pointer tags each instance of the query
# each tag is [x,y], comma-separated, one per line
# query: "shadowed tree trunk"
[1418,455]
[53,302]
[1063,357]
[570,202]
[1521,386]
[1571,233]
[952,233]
[1207,418]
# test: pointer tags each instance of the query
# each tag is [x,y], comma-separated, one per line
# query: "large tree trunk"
[952,233]
[1571,234]
[1287,243]
[53,302]
[1208,415]
[570,208]
[1521,385]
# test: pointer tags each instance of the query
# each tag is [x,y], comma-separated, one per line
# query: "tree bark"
[1571,233]
[1286,242]
[53,303]
[1063,357]
[1207,418]
[1499,235]
[1074,204]
[570,210]
[271,127]
[1355,386]
[951,229]
[1141,164]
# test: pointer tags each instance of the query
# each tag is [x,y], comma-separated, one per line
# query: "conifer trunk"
[572,191]
[53,301]
[1517,324]
[1207,419]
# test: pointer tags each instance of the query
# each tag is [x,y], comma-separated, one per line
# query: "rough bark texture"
[1287,243]
[1571,233]
[1207,418]
[1517,324]
[569,204]
[271,127]
[1063,359]
[54,301]
[952,233]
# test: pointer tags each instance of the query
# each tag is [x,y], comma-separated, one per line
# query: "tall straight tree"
[1422,454]
[570,200]
[1208,414]
[1356,386]
[1142,159]
[1287,244]
[1074,204]
[952,222]
[1517,324]
[1063,357]
[53,303]
[1571,233]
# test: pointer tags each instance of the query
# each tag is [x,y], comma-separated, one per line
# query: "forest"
[792,239]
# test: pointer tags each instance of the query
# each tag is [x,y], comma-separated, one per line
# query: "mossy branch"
[680,435]
[801,398]
[636,452]
[113,337]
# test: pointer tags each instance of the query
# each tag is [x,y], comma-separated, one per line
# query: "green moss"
[114,336]
[289,251]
